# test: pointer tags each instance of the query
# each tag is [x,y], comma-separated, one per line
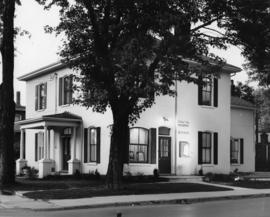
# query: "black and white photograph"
[134,108]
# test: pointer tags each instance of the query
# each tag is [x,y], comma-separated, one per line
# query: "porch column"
[45,164]
[74,141]
[45,142]
[21,162]
[73,163]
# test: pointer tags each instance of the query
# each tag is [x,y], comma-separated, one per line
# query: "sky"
[40,49]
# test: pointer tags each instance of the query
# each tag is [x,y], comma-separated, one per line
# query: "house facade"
[196,131]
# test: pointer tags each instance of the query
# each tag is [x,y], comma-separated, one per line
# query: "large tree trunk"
[7,164]
[118,148]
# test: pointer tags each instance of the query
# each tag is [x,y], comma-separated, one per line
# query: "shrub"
[156,173]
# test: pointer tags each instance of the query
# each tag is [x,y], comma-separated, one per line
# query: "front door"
[65,151]
[164,155]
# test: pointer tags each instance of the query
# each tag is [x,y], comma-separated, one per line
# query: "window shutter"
[71,88]
[85,144]
[24,134]
[199,147]
[36,147]
[45,92]
[60,91]
[36,97]
[200,87]
[216,148]
[241,151]
[153,144]
[231,148]
[215,92]
[126,147]
[98,145]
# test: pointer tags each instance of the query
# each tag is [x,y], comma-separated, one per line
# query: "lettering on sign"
[184,125]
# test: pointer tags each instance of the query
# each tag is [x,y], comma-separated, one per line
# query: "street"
[259,207]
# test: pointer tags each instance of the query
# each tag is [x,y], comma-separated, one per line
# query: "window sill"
[66,105]
[207,107]
[140,164]
[91,163]
[207,165]
[40,110]
[235,164]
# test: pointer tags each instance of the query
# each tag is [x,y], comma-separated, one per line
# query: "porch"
[57,139]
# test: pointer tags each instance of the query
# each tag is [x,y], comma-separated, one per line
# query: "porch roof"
[64,119]
[237,102]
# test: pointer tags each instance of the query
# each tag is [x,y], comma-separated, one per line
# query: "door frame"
[62,151]
[169,154]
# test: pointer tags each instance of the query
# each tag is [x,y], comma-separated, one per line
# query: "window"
[237,151]
[92,144]
[39,146]
[65,90]
[207,148]
[41,96]
[18,117]
[138,147]
[208,91]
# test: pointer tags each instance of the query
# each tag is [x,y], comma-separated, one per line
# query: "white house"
[198,129]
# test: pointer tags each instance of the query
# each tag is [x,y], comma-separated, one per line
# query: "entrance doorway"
[164,154]
[65,152]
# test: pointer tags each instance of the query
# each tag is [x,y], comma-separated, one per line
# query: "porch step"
[184,178]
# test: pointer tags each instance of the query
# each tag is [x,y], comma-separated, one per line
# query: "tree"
[127,52]
[244,91]
[7,106]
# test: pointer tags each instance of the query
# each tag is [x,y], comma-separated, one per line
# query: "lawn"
[128,189]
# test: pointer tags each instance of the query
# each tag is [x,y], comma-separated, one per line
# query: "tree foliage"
[128,51]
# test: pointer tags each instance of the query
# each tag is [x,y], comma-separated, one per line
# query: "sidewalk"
[19,202]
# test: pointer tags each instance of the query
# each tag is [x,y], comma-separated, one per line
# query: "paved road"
[259,207]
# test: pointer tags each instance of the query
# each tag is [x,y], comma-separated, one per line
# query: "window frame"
[147,157]
[207,88]
[238,160]
[41,100]
[89,145]
[64,90]
[207,148]
[39,147]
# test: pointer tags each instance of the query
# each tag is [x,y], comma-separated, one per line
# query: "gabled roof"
[65,115]
[237,102]
[59,65]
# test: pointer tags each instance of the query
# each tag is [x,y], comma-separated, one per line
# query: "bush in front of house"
[220,177]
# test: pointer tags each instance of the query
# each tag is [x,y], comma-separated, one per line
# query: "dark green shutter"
[231,149]
[36,97]
[36,146]
[24,134]
[85,144]
[200,87]
[125,155]
[45,92]
[98,145]
[216,148]
[199,147]
[60,91]
[70,88]
[153,145]
[241,151]
[215,92]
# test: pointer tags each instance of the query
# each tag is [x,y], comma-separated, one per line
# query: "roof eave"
[243,107]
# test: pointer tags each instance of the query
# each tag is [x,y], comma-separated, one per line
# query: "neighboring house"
[197,130]
[263,151]
[19,115]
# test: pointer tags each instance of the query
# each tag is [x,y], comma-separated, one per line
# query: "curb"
[158,202]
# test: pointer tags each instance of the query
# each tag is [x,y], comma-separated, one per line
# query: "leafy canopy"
[126,49]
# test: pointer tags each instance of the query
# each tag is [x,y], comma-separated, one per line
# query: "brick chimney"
[18,98]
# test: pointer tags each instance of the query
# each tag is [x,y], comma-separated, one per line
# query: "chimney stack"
[18,98]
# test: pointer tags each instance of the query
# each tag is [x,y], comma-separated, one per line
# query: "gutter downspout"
[175,124]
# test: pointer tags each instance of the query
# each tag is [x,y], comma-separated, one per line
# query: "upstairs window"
[208,91]
[65,90]
[41,96]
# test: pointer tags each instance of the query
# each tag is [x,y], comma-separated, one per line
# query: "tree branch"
[205,24]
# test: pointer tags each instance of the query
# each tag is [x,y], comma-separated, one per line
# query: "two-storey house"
[201,129]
